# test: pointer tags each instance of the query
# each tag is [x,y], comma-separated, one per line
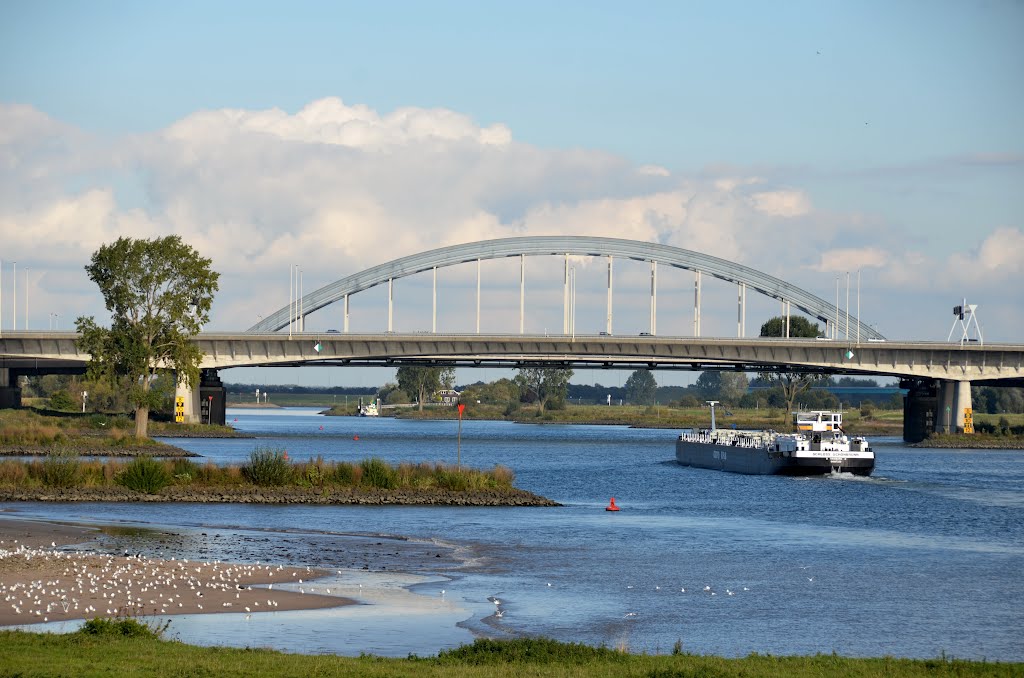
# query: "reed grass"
[267,467]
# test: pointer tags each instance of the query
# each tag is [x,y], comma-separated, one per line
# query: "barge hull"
[759,461]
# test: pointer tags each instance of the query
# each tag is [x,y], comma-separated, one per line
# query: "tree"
[641,387]
[792,383]
[709,384]
[799,326]
[422,381]
[159,293]
[733,387]
[545,385]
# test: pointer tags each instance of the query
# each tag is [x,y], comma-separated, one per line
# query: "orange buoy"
[355,437]
[611,505]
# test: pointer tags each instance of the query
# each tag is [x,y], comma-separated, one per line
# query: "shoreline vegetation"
[638,416]
[269,478]
[855,421]
[106,646]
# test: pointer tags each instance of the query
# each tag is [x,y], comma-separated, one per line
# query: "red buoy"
[611,505]
[355,437]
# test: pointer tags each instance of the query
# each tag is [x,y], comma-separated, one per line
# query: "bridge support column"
[212,399]
[946,422]
[10,394]
[919,408]
[189,398]
[962,403]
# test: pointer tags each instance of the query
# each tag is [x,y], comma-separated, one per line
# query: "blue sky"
[803,138]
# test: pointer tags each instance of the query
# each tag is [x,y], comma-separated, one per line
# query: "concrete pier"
[10,394]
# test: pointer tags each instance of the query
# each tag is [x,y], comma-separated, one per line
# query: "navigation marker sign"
[318,347]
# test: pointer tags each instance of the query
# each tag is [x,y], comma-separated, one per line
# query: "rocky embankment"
[283,495]
[87,450]
[972,442]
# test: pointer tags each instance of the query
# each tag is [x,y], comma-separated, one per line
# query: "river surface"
[923,558]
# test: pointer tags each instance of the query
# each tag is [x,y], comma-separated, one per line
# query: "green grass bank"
[269,477]
[109,648]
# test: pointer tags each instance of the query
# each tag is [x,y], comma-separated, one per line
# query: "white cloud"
[851,259]
[338,188]
[783,203]
[1000,255]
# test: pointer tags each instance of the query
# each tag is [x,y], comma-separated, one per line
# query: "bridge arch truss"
[666,255]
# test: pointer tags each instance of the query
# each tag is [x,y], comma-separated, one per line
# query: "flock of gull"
[82,584]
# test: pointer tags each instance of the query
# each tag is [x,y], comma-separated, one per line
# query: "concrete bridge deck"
[36,351]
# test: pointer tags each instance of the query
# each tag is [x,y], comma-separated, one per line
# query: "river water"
[923,558]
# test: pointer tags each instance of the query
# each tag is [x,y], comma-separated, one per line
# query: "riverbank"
[972,441]
[145,653]
[269,478]
[43,582]
[283,495]
[886,423]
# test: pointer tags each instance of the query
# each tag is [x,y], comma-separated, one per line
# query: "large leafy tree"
[422,381]
[641,387]
[792,383]
[159,293]
[543,385]
[728,387]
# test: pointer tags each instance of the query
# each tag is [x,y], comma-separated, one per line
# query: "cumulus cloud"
[782,203]
[1001,254]
[847,259]
[339,187]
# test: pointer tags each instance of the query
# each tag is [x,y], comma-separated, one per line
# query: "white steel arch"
[654,253]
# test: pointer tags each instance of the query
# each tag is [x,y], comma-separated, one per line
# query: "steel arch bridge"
[675,257]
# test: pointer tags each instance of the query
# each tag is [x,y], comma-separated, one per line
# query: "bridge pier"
[956,399]
[189,399]
[935,406]
[10,394]
[919,408]
[208,403]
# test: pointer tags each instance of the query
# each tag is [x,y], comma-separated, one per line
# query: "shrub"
[12,472]
[503,476]
[60,469]
[377,473]
[129,628]
[99,421]
[60,400]
[122,421]
[486,651]
[183,471]
[144,474]
[451,479]
[267,466]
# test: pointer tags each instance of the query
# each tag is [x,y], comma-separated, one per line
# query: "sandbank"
[43,579]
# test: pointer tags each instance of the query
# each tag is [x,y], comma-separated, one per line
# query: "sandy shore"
[40,581]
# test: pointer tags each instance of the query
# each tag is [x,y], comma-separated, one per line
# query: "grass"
[144,653]
[267,467]
[72,430]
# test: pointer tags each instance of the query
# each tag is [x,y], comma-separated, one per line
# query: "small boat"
[369,410]
[819,446]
